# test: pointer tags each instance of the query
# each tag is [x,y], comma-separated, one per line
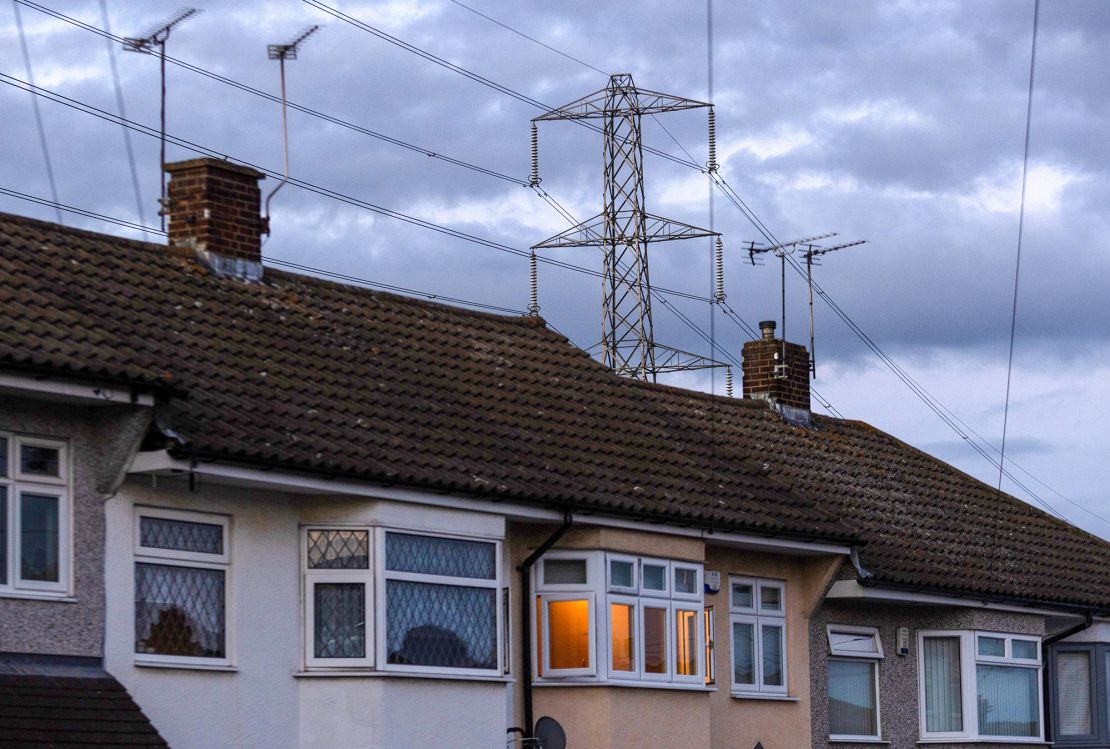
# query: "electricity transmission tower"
[624,228]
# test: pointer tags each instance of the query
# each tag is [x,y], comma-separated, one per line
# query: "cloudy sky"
[901,123]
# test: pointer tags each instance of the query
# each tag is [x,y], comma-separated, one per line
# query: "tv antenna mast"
[281,53]
[815,251]
[157,37]
[624,229]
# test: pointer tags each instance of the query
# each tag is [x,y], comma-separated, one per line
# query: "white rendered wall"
[266,701]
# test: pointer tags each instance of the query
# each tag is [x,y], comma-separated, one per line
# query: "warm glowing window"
[650,625]
[686,648]
[622,632]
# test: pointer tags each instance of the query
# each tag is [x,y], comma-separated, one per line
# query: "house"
[290,512]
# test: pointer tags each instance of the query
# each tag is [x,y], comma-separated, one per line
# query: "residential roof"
[49,701]
[314,375]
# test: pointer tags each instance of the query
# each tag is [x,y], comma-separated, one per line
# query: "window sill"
[363,673]
[218,667]
[763,696]
[999,740]
[624,685]
[33,595]
[834,740]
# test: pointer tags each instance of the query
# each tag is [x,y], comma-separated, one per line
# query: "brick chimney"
[213,209]
[768,375]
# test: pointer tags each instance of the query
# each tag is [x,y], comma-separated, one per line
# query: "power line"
[269,260]
[529,38]
[305,185]
[334,120]
[1021,231]
[58,207]
[123,113]
[487,82]
[38,114]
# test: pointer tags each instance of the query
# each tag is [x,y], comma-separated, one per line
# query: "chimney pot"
[767,328]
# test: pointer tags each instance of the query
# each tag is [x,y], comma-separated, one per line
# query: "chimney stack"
[775,370]
[214,211]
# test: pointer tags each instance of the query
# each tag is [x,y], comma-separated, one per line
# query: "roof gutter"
[525,569]
[1070,608]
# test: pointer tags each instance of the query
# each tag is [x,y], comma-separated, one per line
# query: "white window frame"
[757,616]
[699,582]
[631,590]
[637,634]
[969,662]
[385,575]
[601,593]
[837,654]
[647,592]
[591,623]
[853,629]
[311,577]
[188,560]
[58,487]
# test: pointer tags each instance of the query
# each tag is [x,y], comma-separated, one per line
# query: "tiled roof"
[320,376]
[68,706]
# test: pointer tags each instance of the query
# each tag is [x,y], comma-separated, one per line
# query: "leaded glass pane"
[38,538]
[338,550]
[36,460]
[339,620]
[432,555]
[179,610]
[181,535]
[441,625]
[1008,701]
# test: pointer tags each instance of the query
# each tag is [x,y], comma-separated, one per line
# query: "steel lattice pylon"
[624,229]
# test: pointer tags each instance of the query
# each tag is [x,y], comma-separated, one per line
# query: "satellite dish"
[550,734]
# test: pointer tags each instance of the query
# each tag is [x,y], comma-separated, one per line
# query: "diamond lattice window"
[449,557]
[338,550]
[179,610]
[441,625]
[181,535]
[339,620]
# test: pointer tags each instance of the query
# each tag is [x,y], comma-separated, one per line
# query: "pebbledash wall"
[100,441]
[898,675]
[265,697]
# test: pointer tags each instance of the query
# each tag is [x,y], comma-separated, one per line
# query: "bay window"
[757,618]
[980,685]
[402,601]
[853,667]
[34,516]
[619,618]
[181,598]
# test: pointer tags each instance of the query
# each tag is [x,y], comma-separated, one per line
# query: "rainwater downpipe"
[526,616]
